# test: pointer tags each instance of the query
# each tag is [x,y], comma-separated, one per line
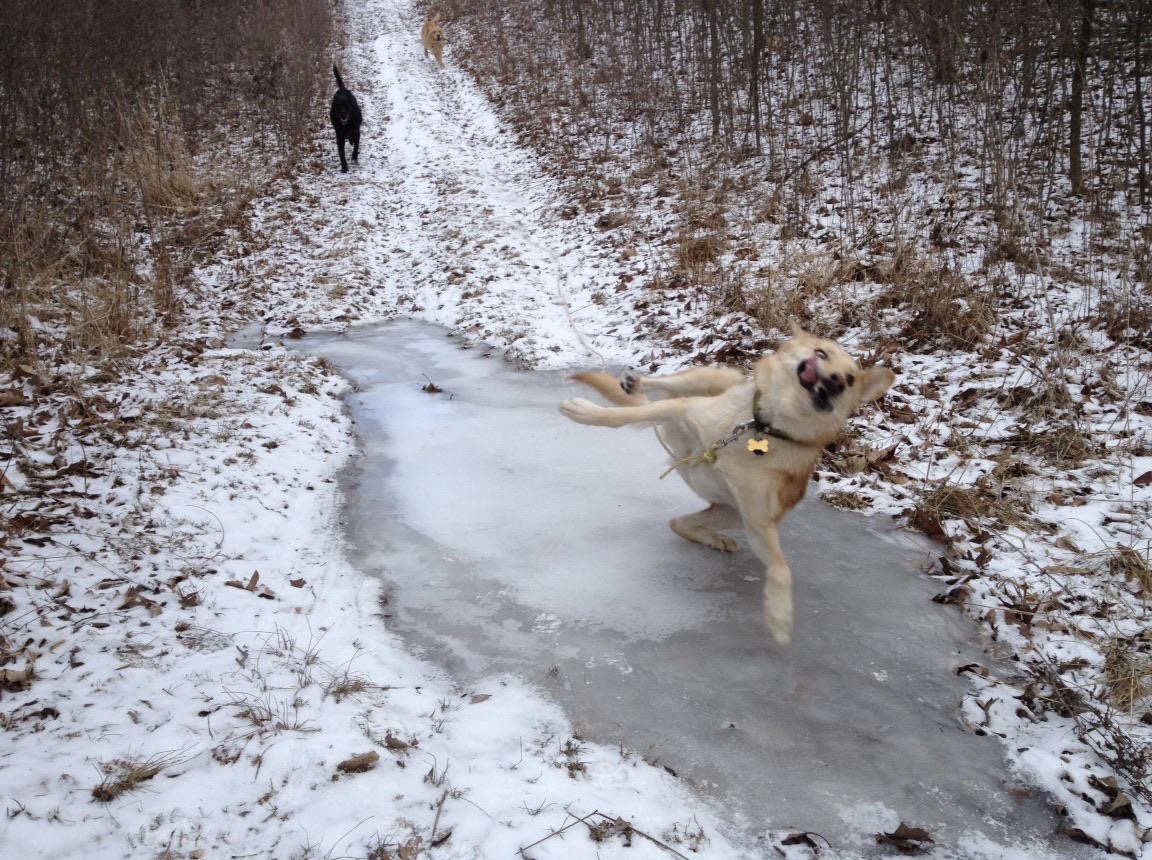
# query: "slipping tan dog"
[432,35]
[745,445]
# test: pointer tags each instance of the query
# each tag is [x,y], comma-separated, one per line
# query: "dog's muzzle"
[822,389]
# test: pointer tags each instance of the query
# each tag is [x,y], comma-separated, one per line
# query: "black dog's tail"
[336,72]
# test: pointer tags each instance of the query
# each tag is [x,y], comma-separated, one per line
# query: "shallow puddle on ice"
[516,541]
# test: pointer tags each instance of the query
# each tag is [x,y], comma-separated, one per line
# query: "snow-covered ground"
[206,667]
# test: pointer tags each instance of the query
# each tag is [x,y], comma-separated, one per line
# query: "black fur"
[346,118]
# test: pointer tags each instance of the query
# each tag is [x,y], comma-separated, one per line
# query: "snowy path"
[448,220]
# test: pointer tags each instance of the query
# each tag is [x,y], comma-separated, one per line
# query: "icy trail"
[515,541]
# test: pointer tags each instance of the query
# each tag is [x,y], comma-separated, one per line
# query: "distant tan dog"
[432,35]
[745,445]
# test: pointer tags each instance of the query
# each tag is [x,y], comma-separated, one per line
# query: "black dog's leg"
[355,138]
[340,147]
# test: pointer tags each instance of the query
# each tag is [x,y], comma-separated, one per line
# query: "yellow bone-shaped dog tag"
[759,447]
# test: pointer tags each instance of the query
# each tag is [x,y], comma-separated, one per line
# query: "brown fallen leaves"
[252,585]
[907,840]
[359,763]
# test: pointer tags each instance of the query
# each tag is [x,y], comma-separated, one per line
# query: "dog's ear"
[874,382]
[797,331]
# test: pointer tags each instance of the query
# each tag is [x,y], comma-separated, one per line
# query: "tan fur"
[744,490]
[432,37]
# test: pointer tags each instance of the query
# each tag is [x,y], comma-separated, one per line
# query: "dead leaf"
[973,669]
[927,522]
[1078,835]
[1066,543]
[479,697]
[135,597]
[396,744]
[1121,807]
[966,398]
[13,397]
[359,763]
[876,456]
[297,583]
[16,679]
[251,586]
[804,839]
[1144,480]
[906,840]
[900,413]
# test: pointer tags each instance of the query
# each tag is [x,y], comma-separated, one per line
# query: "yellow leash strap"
[708,456]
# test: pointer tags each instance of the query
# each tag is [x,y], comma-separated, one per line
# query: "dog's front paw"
[630,382]
[580,410]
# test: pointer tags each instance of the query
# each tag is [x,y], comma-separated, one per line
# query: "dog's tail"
[336,72]
[609,388]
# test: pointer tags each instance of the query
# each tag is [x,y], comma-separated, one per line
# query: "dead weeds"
[943,308]
[972,505]
[1128,673]
[124,775]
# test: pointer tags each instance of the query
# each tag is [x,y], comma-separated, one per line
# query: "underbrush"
[135,137]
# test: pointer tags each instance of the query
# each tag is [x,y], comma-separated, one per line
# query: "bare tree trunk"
[754,68]
[1076,116]
[1141,117]
[710,14]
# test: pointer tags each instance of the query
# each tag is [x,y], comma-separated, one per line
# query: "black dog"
[345,116]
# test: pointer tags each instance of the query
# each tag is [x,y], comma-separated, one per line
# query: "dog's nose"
[835,383]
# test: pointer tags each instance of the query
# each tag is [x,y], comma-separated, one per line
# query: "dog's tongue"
[808,372]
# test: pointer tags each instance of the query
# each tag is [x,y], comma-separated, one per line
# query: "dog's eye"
[850,379]
[822,354]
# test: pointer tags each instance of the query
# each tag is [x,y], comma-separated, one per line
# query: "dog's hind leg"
[340,149]
[703,527]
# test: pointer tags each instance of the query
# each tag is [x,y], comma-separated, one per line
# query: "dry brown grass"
[846,499]
[1127,674]
[1128,318]
[942,307]
[695,252]
[1065,447]
[124,775]
[1003,506]
[342,685]
[121,132]
[1130,565]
